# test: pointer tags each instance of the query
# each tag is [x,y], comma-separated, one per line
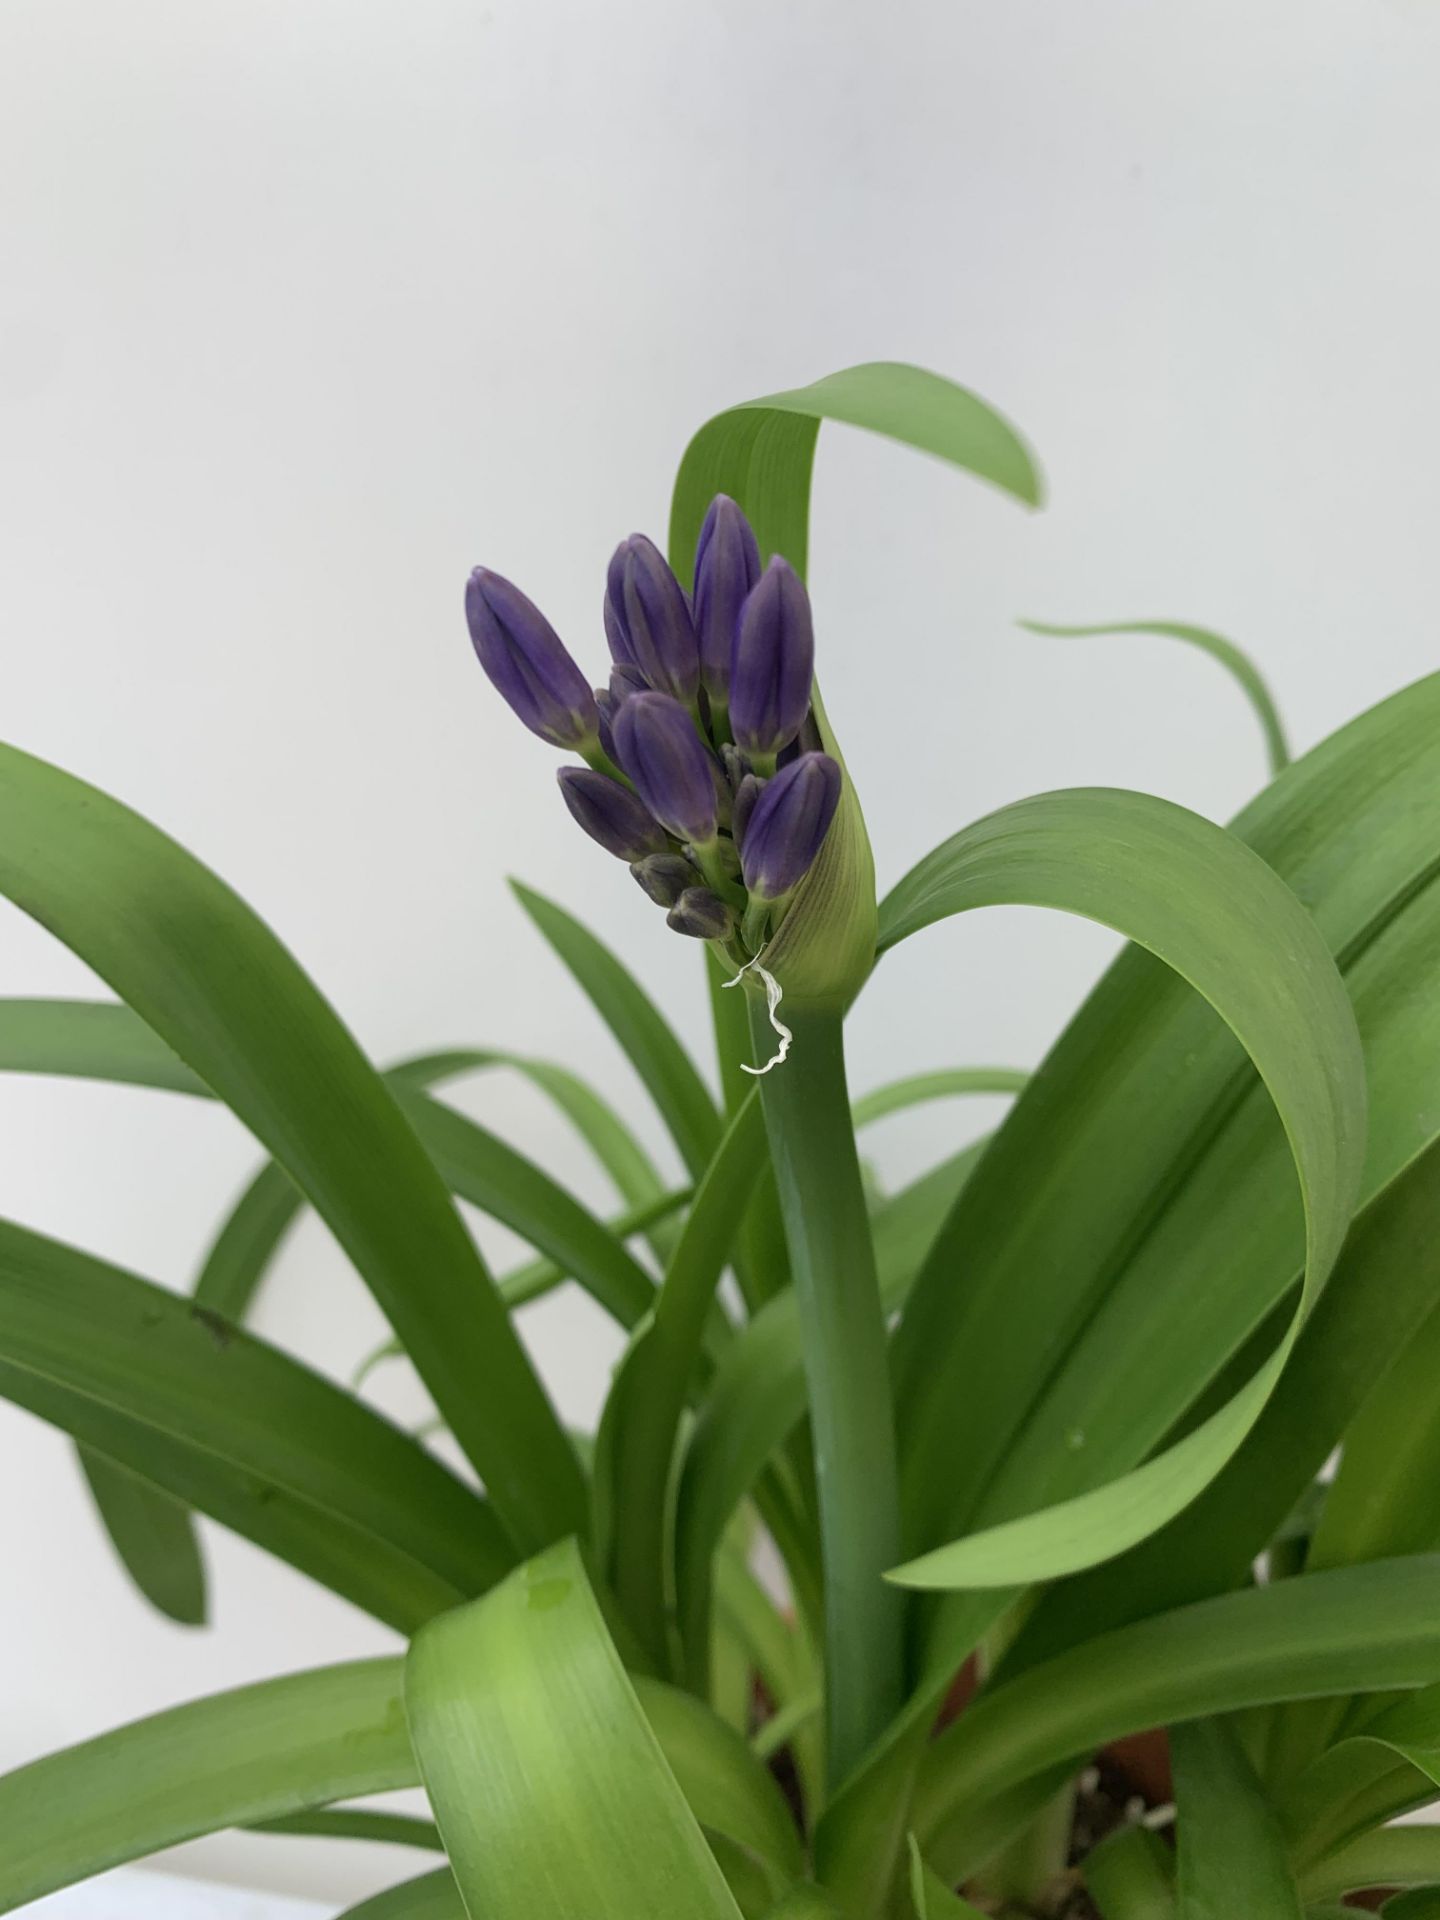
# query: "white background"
[306,308]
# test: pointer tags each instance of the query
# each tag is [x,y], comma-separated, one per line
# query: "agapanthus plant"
[1043,1442]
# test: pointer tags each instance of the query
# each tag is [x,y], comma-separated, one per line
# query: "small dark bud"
[727,567]
[774,663]
[672,768]
[605,710]
[611,814]
[527,663]
[701,914]
[735,764]
[746,794]
[664,876]
[787,824]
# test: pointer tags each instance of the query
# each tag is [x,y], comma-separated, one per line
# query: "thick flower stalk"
[705,772]
[709,776]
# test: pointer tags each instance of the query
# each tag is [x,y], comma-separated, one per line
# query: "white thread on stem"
[774,993]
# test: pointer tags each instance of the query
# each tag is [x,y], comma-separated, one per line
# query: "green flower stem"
[812,1148]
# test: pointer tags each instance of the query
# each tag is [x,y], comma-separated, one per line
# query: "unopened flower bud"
[773,664]
[664,876]
[787,825]
[702,914]
[648,621]
[527,663]
[746,794]
[611,814]
[658,747]
[727,566]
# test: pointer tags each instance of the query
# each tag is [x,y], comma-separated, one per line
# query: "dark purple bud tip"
[658,747]
[701,914]
[527,662]
[611,814]
[746,794]
[727,567]
[664,876]
[787,824]
[626,680]
[651,621]
[773,663]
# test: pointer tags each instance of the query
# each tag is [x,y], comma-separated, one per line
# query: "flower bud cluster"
[703,771]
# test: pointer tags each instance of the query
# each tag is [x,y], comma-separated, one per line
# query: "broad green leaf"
[757,1395]
[1208,907]
[1420,1903]
[434,1896]
[1161,1225]
[1236,663]
[761,453]
[917,1088]
[641,1422]
[355,1823]
[181,1396]
[548,1785]
[1386,1763]
[648,1041]
[102,1041]
[198,966]
[1232,1852]
[1131,1876]
[1354,1629]
[154,1535]
[1386,1495]
[1389,1857]
[1385,1284]
[227,1761]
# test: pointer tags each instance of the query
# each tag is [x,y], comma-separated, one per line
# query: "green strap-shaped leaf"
[1351,1630]
[917,1088]
[192,960]
[638,1430]
[1232,1852]
[1420,1903]
[481,1168]
[757,1395]
[1387,1762]
[1205,904]
[644,1035]
[178,1394]
[1131,1876]
[1389,1857]
[762,452]
[434,1896]
[101,1041]
[1235,662]
[227,1761]
[154,1536]
[355,1823]
[548,1785]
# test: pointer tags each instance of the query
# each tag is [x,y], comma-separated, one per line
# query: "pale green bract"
[1069,1388]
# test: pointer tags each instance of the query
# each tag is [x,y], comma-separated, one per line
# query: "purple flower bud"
[617,634]
[611,814]
[746,794]
[627,680]
[702,914]
[787,824]
[527,663]
[654,621]
[664,876]
[727,566]
[773,664]
[659,748]
[605,710]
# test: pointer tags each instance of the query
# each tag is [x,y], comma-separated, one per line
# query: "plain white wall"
[306,308]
